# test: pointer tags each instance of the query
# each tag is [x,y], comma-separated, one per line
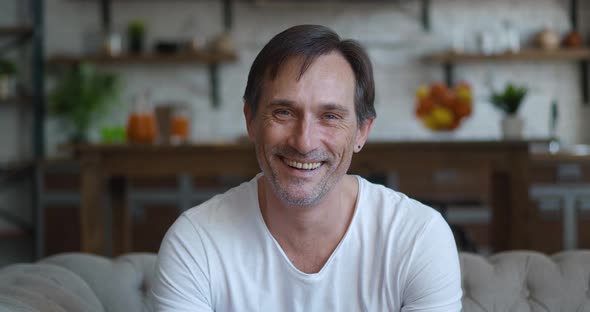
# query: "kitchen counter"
[495,172]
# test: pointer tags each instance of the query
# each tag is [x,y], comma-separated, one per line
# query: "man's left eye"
[331,116]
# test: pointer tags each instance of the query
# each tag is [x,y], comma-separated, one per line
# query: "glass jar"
[180,125]
[141,123]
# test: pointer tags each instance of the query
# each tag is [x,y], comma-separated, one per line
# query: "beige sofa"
[509,281]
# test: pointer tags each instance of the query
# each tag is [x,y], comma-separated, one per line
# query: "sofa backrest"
[45,287]
[510,282]
[526,281]
[121,284]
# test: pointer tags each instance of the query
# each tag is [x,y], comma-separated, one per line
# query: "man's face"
[305,131]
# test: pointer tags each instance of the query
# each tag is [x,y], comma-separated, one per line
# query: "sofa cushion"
[44,287]
[121,284]
[526,281]
[575,268]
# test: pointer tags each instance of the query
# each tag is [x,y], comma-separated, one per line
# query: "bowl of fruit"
[443,108]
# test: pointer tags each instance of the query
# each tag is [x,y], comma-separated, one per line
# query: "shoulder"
[232,206]
[217,217]
[398,221]
[389,206]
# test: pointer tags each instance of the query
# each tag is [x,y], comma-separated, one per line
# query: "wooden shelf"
[204,57]
[14,234]
[15,101]
[184,58]
[531,55]
[14,167]
[580,55]
[16,31]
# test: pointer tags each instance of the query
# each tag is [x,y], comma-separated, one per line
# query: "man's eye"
[331,116]
[282,113]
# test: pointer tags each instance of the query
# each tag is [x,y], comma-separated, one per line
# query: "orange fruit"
[443,116]
[438,90]
[422,92]
[463,109]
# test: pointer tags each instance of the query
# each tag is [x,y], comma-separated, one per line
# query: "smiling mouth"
[302,165]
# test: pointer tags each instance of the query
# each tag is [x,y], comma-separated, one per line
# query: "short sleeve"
[181,281]
[434,277]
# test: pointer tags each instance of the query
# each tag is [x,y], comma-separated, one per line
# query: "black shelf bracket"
[449,73]
[214,84]
[583,65]
[574,14]
[105,13]
[425,15]
[228,16]
[584,82]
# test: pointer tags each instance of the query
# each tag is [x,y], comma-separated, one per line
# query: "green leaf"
[510,99]
[82,96]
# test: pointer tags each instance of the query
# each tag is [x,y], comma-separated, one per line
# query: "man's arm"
[181,281]
[434,278]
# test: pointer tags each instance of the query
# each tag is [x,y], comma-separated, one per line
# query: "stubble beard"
[284,189]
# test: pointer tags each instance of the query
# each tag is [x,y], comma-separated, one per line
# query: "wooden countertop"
[575,153]
[221,146]
[559,157]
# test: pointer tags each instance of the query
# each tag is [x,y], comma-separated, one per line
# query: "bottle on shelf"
[141,124]
[180,125]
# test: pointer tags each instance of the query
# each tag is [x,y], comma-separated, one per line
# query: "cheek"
[271,134]
[341,141]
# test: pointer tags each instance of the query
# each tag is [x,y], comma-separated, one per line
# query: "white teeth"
[305,166]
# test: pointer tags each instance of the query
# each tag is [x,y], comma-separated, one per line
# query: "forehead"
[329,76]
[329,79]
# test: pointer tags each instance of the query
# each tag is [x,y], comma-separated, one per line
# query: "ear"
[249,120]
[363,133]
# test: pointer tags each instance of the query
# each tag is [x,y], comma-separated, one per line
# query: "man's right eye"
[282,113]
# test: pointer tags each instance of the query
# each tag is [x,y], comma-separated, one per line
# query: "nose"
[304,136]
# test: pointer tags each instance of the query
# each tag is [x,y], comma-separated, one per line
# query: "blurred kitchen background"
[172,73]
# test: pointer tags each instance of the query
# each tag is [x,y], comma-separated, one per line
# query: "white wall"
[393,37]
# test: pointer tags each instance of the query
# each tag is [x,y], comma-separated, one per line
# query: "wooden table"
[564,176]
[504,165]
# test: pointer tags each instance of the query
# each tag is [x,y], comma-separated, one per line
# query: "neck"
[309,227]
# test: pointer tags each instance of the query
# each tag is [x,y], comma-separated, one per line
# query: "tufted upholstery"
[78,282]
[120,284]
[506,282]
[526,281]
[45,287]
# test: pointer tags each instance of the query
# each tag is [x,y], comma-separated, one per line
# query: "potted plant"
[7,80]
[81,97]
[509,101]
[135,35]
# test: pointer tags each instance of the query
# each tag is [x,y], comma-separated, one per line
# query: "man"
[303,235]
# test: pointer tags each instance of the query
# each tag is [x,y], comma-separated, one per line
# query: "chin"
[299,197]
[299,201]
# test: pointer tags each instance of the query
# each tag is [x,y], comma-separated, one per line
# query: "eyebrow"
[335,108]
[325,107]
[281,103]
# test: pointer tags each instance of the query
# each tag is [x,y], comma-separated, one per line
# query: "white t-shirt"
[397,255]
